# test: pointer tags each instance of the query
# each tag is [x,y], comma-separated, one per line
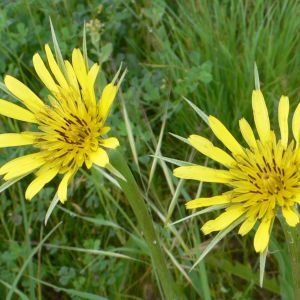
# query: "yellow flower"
[70,126]
[264,176]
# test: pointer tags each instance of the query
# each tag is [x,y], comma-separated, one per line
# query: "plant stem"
[292,235]
[139,207]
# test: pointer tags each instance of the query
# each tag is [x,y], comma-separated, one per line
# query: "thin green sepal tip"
[256,77]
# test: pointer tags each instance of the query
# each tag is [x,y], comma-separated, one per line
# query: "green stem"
[27,240]
[134,197]
[292,235]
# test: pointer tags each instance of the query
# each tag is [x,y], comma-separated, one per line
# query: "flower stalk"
[292,235]
[139,207]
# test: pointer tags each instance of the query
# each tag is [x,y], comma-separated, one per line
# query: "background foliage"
[202,50]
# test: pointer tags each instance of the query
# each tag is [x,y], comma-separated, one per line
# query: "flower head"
[263,177]
[70,124]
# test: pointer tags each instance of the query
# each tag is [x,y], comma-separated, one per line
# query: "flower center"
[269,172]
[77,133]
[66,137]
[271,184]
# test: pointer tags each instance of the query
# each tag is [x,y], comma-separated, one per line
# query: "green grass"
[202,50]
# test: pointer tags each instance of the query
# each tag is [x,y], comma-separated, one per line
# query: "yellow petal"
[100,157]
[104,130]
[204,202]
[247,133]
[106,100]
[111,143]
[204,146]
[261,116]
[92,75]
[21,91]
[264,208]
[247,226]
[296,124]
[88,162]
[21,166]
[283,114]
[15,139]
[79,67]
[202,174]
[44,74]
[62,190]
[224,220]
[262,235]
[291,216]
[16,112]
[38,183]
[225,136]
[296,199]
[59,76]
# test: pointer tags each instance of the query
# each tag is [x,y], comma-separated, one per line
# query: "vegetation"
[198,49]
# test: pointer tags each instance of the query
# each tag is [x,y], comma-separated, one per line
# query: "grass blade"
[26,262]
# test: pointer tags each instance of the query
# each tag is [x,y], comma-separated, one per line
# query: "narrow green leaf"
[256,77]
[114,171]
[262,266]
[108,176]
[200,113]
[157,148]
[92,251]
[17,291]
[180,138]
[58,55]
[53,203]
[71,292]
[84,47]
[8,183]
[174,161]
[217,239]
[198,213]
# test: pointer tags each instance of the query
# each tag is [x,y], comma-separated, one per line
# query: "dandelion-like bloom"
[70,126]
[264,176]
